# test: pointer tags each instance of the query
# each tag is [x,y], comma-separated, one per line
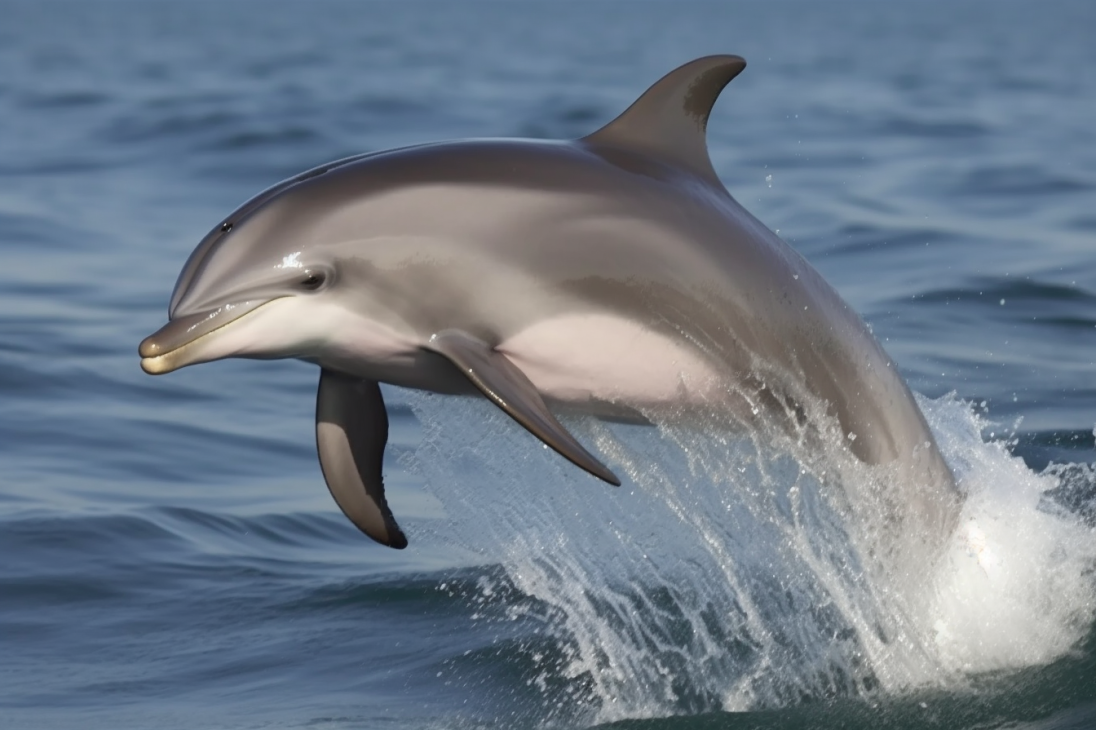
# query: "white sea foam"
[1016,588]
[732,572]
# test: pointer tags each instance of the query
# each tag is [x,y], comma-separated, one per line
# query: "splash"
[743,571]
[1016,588]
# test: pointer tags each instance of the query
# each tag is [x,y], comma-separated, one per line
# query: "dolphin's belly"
[595,363]
[581,359]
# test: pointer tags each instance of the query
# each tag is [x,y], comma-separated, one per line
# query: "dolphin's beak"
[174,345]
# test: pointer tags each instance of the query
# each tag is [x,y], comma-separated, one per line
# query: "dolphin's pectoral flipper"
[351,433]
[507,387]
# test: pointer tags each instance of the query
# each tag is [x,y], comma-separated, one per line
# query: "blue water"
[170,558]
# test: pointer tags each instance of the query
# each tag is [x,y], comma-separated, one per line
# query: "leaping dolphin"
[613,274]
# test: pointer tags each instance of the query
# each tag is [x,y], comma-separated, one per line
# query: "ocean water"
[170,558]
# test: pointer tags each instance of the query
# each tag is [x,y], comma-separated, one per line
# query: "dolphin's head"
[262,284]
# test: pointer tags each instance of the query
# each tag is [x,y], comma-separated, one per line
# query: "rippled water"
[172,559]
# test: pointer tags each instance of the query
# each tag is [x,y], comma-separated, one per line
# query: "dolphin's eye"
[312,281]
[226,227]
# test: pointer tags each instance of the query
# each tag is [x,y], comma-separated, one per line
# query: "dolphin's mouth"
[162,351]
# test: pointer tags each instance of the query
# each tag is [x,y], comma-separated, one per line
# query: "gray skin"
[611,275]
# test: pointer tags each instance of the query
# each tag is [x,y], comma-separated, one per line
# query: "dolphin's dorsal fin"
[669,120]
[508,388]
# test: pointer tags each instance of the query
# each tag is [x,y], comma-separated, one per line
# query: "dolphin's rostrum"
[612,275]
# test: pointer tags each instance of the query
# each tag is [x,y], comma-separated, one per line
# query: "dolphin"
[612,275]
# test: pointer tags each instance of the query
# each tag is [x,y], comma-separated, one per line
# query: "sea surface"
[170,557]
